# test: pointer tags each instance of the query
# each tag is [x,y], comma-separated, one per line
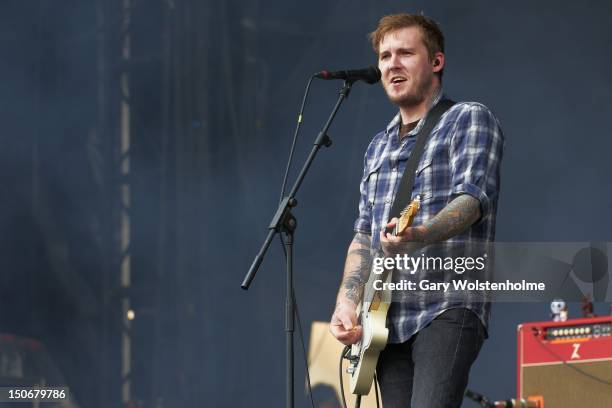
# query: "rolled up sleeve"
[475,155]
[363,223]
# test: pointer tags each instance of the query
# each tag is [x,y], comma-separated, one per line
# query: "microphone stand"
[285,222]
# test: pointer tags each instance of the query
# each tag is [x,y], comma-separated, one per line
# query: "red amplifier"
[568,363]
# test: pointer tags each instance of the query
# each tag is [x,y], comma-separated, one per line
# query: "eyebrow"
[410,49]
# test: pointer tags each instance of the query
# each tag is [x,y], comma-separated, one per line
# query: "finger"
[337,328]
[406,234]
[393,238]
[354,335]
[347,322]
[349,337]
[338,332]
[357,333]
[392,222]
[389,237]
[341,334]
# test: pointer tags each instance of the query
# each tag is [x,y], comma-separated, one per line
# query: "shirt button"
[387,201]
[394,169]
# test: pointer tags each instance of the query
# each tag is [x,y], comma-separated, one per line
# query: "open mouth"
[397,80]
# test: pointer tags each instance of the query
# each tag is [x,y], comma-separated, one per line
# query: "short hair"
[431,33]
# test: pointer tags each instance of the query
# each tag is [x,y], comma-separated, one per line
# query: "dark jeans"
[431,369]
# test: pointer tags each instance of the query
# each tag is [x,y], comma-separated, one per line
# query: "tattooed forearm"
[356,269]
[455,218]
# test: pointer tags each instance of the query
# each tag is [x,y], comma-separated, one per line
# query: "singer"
[435,338]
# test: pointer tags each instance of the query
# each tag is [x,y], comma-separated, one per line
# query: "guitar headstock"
[407,216]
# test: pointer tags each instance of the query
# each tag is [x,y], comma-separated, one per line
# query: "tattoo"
[353,286]
[360,252]
[453,219]
[361,239]
[356,268]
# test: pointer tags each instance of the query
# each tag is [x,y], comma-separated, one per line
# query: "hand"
[344,325]
[395,244]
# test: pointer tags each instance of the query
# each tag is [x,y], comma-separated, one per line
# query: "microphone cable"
[284,184]
[295,136]
[479,398]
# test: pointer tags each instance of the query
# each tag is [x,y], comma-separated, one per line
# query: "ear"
[438,62]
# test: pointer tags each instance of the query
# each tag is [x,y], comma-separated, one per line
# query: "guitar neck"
[370,295]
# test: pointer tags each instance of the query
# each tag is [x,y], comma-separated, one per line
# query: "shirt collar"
[397,120]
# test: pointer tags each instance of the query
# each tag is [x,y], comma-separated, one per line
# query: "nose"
[393,62]
[394,59]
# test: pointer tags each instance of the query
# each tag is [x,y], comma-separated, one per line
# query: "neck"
[412,113]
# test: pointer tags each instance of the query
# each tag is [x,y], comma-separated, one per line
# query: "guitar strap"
[404,191]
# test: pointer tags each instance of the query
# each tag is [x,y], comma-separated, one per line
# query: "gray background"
[215,91]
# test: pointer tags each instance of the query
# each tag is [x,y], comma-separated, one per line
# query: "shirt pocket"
[423,182]
[371,180]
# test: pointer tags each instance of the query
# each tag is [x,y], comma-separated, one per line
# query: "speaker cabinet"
[568,363]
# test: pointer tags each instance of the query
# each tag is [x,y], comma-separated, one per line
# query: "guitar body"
[373,341]
[373,319]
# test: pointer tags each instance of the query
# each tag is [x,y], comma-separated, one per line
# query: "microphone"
[371,75]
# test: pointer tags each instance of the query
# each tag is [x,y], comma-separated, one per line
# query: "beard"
[412,97]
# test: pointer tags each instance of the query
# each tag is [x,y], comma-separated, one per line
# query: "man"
[433,340]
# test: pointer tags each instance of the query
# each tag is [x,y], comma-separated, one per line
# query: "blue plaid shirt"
[462,156]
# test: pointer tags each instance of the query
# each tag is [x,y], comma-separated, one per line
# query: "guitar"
[372,314]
